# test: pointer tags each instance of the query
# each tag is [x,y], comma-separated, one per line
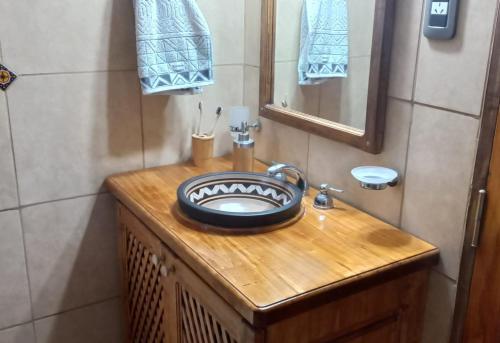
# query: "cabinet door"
[145,282]
[203,316]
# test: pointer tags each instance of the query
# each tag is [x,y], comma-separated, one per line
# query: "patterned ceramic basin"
[239,200]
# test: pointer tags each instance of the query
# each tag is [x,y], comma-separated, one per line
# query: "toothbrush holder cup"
[202,150]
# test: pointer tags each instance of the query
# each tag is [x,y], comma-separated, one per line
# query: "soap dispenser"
[243,149]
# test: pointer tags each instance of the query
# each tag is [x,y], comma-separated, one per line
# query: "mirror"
[324,67]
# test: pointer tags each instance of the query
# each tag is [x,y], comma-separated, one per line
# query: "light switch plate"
[441,19]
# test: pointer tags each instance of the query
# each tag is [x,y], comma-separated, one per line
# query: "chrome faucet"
[278,171]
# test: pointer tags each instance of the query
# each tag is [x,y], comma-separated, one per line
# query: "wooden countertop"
[320,257]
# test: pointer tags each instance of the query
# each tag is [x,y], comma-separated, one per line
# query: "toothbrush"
[200,107]
[218,113]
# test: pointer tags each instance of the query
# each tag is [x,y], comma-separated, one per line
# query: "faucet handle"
[324,187]
[323,199]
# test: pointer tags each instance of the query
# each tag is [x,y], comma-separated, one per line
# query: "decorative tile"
[6,77]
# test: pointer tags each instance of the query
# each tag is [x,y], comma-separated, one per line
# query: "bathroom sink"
[239,200]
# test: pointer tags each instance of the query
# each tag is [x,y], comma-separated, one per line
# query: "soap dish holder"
[375,178]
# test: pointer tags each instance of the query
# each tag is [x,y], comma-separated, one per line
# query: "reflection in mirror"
[334,52]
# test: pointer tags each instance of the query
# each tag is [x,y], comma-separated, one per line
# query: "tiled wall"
[434,105]
[74,116]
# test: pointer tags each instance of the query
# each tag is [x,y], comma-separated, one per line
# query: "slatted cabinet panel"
[165,301]
[198,324]
[145,283]
[204,317]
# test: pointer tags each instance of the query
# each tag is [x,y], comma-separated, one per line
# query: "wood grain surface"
[262,275]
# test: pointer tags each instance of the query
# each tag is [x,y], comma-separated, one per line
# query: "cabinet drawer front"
[143,283]
[393,308]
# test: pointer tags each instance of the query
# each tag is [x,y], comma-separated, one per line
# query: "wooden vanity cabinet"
[165,301]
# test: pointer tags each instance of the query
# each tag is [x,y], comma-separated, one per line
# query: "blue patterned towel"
[174,47]
[324,41]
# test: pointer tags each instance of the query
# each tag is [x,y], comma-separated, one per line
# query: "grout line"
[16,325]
[251,65]
[447,277]
[414,84]
[417,55]
[98,302]
[62,199]
[77,72]
[106,70]
[9,209]
[464,114]
[23,236]
[405,173]
[19,214]
[33,327]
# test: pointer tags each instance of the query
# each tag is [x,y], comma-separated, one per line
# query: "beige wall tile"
[226,19]
[71,131]
[286,87]
[439,310]
[252,32]
[404,50]
[227,92]
[8,188]
[99,323]
[72,253]
[361,19]
[251,90]
[344,100]
[14,292]
[451,74]
[288,22]
[281,143]
[87,35]
[332,162]
[170,121]
[440,160]
[18,334]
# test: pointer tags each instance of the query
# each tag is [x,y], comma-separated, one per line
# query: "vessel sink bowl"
[239,200]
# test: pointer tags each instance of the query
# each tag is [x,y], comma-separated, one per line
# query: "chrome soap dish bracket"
[375,178]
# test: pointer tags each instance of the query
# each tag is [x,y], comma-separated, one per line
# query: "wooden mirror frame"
[370,139]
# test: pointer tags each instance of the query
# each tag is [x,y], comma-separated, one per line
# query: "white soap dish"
[375,178]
